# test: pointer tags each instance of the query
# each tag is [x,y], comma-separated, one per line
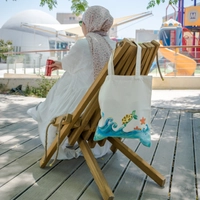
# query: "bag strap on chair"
[159,67]
[58,137]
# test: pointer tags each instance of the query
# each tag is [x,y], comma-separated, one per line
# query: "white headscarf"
[98,21]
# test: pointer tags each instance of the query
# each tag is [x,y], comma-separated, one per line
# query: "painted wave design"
[109,129]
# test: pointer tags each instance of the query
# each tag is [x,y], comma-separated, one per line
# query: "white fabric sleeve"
[78,57]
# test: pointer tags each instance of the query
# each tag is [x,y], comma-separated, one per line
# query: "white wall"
[27,42]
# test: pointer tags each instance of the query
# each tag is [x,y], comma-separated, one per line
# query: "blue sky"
[119,9]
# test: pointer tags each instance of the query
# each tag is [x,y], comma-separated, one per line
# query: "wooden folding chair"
[81,124]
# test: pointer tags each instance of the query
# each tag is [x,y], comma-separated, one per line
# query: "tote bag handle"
[138,62]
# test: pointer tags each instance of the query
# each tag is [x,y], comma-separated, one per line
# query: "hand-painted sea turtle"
[127,118]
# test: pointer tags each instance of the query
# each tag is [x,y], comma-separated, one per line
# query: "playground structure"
[182,29]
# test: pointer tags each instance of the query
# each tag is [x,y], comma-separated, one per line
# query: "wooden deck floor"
[175,152]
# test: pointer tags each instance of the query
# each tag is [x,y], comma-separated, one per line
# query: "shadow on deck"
[175,153]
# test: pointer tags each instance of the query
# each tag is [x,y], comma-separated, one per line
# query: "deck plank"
[196,126]
[18,166]
[17,137]
[21,174]
[183,182]
[49,179]
[9,157]
[22,142]
[164,157]
[18,127]
[14,108]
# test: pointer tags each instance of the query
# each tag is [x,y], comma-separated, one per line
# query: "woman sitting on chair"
[82,66]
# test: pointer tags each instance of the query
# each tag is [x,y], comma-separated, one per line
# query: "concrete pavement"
[177,99]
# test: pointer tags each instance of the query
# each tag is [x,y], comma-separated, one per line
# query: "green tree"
[153,3]
[79,6]
[5,46]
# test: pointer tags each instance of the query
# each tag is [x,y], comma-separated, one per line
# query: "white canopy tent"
[54,29]
[75,29]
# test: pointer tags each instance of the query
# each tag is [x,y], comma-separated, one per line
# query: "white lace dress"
[67,93]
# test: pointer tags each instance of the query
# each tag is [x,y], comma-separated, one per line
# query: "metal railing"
[173,61]
[31,62]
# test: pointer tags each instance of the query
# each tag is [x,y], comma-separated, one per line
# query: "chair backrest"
[84,119]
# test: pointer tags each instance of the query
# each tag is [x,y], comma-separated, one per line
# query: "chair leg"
[98,176]
[113,148]
[142,164]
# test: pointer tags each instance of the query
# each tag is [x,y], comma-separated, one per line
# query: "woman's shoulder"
[81,46]
[82,42]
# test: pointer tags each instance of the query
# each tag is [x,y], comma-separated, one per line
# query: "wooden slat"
[133,63]
[155,51]
[102,142]
[142,164]
[123,60]
[101,182]
[120,51]
[146,66]
[93,123]
[130,53]
[91,142]
[113,148]
[155,46]
[144,50]
[144,60]
[88,113]
[78,123]
[66,119]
